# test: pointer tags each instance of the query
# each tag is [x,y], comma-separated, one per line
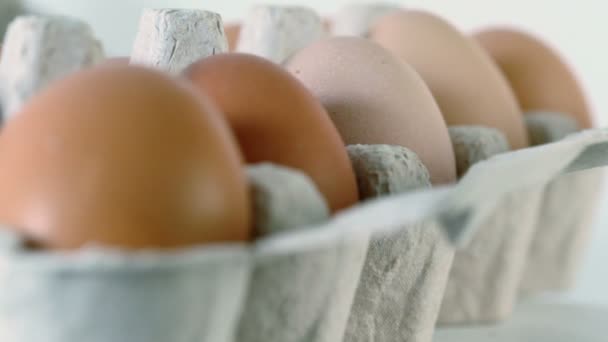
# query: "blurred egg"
[542,81]
[124,157]
[467,84]
[232,30]
[115,61]
[277,120]
[375,98]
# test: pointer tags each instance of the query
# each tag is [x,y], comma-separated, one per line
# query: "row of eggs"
[131,157]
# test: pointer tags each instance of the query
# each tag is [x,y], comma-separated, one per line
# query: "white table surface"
[543,320]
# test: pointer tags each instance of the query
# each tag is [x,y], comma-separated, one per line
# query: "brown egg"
[467,84]
[375,98]
[124,157]
[277,120]
[542,81]
[113,61]
[233,31]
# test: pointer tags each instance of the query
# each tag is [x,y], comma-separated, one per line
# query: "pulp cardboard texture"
[172,39]
[100,295]
[567,209]
[473,144]
[277,32]
[459,209]
[39,50]
[485,277]
[295,284]
[484,280]
[304,295]
[384,170]
[480,189]
[405,272]
[284,199]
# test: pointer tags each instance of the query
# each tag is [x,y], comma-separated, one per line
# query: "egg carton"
[39,50]
[376,272]
[485,277]
[277,32]
[299,283]
[565,222]
[8,10]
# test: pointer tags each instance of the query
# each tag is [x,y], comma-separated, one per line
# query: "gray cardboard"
[460,209]
[304,295]
[384,170]
[485,277]
[284,199]
[172,39]
[405,272]
[464,207]
[198,294]
[298,295]
[566,214]
[547,127]
[277,32]
[473,144]
[39,50]
[99,295]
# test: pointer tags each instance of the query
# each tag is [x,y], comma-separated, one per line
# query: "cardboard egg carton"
[171,40]
[309,282]
[277,32]
[566,215]
[38,50]
[485,277]
[376,272]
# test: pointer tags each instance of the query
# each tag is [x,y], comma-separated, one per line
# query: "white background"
[579,29]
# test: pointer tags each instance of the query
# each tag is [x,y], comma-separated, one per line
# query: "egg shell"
[39,50]
[465,81]
[277,120]
[172,39]
[541,79]
[233,31]
[374,98]
[116,61]
[125,157]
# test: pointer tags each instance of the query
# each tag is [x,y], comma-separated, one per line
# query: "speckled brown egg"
[125,157]
[539,76]
[277,120]
[465,81]
[375,98]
